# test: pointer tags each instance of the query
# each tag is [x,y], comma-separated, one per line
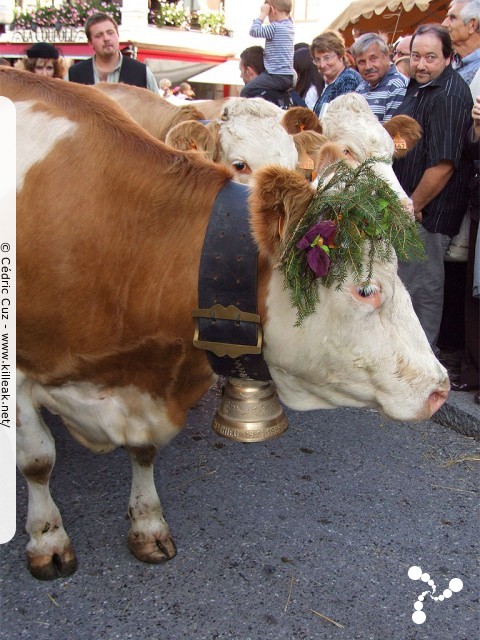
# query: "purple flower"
[317,241]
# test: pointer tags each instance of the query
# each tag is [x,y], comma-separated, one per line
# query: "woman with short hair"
[328,53]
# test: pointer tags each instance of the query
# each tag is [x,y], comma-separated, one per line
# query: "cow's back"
[155,114]
[110,225]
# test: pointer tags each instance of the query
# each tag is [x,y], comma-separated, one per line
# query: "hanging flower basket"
[73,14]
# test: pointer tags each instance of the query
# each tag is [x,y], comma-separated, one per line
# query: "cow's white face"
[350,123]
[251,136]
[361,348]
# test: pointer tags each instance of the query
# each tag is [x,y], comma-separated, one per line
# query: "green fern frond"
[371,224]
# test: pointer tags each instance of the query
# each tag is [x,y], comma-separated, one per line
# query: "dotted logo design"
[415,573]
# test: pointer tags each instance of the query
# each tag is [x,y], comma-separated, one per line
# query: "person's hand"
[476,111]
[265,10]
[476,119]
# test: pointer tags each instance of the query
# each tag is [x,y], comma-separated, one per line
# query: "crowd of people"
[431,75]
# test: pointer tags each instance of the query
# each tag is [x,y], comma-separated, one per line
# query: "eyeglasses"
[328,57]
[402,53]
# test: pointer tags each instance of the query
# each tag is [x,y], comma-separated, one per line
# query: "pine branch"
[371,224]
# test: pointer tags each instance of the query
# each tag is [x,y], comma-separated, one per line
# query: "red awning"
[68,50]
[84,50]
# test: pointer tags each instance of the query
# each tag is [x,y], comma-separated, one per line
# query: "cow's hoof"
[152,551]
[51,567]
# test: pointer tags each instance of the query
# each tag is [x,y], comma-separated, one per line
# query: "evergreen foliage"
[371,224]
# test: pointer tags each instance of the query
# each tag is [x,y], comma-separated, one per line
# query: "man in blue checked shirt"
[463,25]
[382,84]
[278,53]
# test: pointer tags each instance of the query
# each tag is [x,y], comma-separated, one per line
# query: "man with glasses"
[401,56]
[402,48]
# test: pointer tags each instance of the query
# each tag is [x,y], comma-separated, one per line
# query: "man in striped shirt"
[278,54]
[383,85]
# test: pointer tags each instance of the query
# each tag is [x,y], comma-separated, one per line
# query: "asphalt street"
[310,536]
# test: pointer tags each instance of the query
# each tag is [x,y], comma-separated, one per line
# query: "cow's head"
[362,346]
[350,123]
[246,136]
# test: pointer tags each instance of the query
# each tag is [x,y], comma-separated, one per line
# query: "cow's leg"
[149,537]
[49,552]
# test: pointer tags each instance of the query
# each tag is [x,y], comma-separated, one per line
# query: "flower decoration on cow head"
[354,219]
[318,241]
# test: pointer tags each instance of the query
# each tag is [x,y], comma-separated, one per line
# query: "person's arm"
[431,184]
[258,30]
[152,82]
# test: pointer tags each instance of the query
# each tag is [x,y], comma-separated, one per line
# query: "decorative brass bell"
[249,411]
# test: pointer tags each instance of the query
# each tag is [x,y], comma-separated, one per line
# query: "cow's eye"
[240,166]
[367,290]
[370,294]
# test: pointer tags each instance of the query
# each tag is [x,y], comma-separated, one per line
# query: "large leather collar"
[227,324]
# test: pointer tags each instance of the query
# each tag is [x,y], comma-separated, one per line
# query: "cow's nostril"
[436,399]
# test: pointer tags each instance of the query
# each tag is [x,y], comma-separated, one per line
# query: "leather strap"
[228,276]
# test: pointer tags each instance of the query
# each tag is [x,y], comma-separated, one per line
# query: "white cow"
[350,124]
[108,256]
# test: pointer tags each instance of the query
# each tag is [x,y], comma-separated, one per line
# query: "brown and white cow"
[110,227]
[246,135]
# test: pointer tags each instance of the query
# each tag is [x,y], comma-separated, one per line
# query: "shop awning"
[226,73]
[393,17]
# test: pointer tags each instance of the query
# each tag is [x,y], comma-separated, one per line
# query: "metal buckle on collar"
[220,349]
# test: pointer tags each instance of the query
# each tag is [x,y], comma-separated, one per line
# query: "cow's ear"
[330,153]
[192,136]
[214,129]
[405,133]
[297,119]
[278,199]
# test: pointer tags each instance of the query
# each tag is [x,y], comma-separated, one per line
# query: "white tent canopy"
[226,73]
[367,8]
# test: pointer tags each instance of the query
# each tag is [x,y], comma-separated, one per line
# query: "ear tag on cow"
[307,164]
[400,143]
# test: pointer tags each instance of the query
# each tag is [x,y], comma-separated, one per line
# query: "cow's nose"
[436,400]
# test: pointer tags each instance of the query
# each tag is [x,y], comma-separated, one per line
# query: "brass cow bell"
[249,411]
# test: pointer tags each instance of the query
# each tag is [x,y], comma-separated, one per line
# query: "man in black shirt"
[434,174]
